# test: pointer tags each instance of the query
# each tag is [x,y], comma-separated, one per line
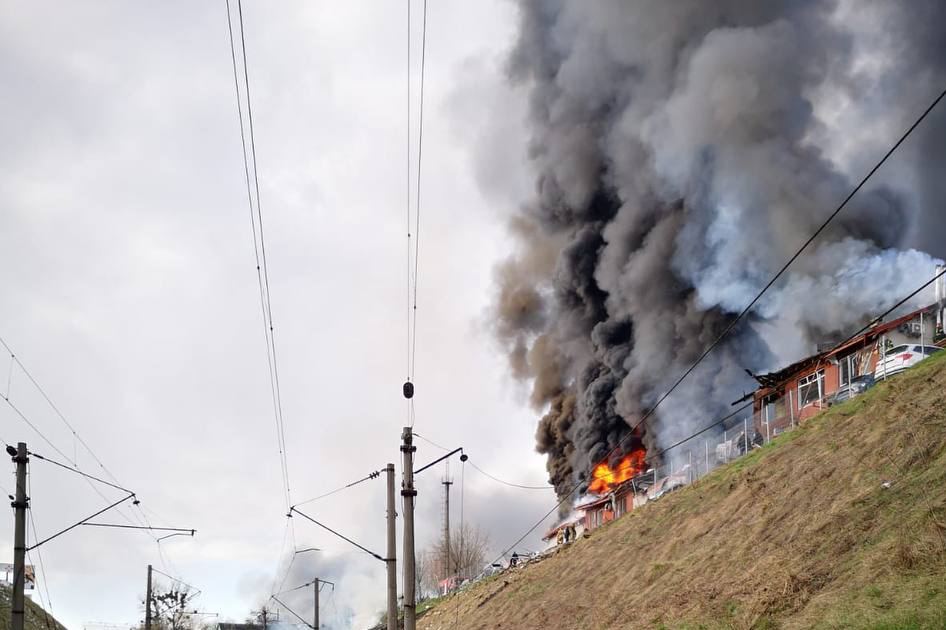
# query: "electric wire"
[59,414]
[754,300]
[291,611]
[74,525]
[417,195]
[10,373]
[74,469]
[296,588]
[262,242]
[509,483]
[567,496]
[77,438]
[340,535]
[79,472]
[413,274]
[407,189]
[262,266]
[36,430]
[39,554]
[195,590]
[259,243]
[371,475]
[431,442]
[282,550]
[483,472]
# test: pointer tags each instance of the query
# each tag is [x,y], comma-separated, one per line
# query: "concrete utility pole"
[446,522]
[148,602]
[408,493]
[315,622]
[391,560]
[20,505]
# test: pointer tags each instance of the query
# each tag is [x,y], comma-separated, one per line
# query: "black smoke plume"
[682,152]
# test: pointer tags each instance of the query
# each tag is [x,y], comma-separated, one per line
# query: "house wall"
[597,517]
[623,503]
[790,411]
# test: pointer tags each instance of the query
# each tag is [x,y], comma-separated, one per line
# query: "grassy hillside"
[802,533]
[36,617]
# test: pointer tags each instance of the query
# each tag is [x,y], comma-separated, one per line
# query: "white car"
[900,358]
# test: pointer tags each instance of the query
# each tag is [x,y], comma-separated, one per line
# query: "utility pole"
[315,621]
[20,505]
[408,493]
[446,522]
[391,560]
[148,602]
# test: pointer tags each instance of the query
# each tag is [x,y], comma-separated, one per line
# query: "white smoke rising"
[682,158]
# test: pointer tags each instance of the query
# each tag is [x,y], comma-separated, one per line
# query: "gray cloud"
[129,285]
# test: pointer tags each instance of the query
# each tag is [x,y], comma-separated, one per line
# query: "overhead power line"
[371,475]
[79,472]
[342,536]
[417,197]
[509,483]
[139,517]
[483,472]
[413,258]
[259,241]
[178,580]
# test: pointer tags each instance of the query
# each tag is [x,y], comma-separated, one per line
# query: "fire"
[603,477]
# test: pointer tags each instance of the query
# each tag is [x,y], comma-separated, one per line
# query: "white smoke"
[683,153]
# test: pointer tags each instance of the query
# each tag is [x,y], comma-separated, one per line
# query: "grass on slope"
[798,534]
[36,617]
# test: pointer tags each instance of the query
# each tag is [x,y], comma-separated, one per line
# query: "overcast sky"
[129,288]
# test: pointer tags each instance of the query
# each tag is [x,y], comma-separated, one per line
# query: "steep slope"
[803,533]
[36,617]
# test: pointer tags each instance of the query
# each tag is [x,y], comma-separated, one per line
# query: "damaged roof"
[772,379]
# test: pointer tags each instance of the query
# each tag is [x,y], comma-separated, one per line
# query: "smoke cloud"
[682,152]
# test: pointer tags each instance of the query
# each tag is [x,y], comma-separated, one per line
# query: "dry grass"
[799,534]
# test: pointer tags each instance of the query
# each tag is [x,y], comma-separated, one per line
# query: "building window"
[773,408]
[848,368]
[811,388]
[620,505]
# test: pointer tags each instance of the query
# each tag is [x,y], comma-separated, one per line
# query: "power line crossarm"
[294,614]
[82,522]
[83,474]
[342,536]
[371,475]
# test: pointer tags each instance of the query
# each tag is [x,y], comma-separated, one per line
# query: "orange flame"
[604,478]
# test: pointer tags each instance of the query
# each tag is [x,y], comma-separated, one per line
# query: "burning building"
[803,389]
[682,152]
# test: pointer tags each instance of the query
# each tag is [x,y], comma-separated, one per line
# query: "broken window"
[811,388]
[774,408]
[849,368]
